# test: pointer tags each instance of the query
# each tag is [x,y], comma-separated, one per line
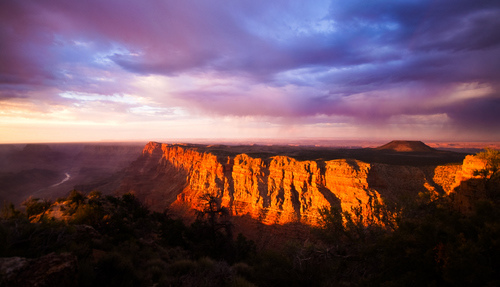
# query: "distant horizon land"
[320,142]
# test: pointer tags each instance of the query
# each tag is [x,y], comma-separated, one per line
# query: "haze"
[131,70]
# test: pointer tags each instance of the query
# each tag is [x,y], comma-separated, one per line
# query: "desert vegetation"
[118,241]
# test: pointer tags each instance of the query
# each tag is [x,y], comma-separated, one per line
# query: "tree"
[492,168]
[211,233]
[490,174]
[217,216]
[331,222]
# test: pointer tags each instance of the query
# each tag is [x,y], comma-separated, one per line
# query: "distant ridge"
[37,148]
[406,146]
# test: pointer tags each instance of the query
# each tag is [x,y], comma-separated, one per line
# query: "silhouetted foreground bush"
[119,242]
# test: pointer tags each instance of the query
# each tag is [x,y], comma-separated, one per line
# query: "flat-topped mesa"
[276,189]
[406,146]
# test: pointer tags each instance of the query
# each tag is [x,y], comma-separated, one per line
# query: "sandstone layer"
[280,189]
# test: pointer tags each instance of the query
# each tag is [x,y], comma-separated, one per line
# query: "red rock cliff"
[280,189]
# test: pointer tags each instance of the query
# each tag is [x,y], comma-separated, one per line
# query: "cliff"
[281,189]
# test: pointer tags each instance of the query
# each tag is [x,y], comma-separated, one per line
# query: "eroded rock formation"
[281,189]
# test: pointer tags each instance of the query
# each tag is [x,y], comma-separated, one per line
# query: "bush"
[9,211]
[35,206]
[76,197]
[116,269]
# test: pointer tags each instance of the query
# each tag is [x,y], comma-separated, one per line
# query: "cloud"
[287,62]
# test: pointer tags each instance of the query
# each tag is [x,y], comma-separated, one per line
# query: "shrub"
[9,211]
[76,197]
[35,206]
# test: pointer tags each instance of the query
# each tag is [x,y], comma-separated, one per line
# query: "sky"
[117,70]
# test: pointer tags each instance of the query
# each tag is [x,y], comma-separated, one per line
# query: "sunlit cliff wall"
[281,189]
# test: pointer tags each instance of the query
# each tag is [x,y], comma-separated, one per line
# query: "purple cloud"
[364,62]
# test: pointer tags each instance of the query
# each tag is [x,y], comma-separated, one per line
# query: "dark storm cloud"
[369,60]
[479,116]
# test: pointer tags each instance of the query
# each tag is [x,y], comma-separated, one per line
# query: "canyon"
[269,184]
[49,171]
[272,194]
[292,184]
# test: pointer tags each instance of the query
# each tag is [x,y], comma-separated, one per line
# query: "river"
[68,176]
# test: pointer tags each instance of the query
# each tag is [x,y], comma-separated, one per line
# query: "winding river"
[68,176]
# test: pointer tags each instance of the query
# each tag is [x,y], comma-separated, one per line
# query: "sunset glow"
[131,70]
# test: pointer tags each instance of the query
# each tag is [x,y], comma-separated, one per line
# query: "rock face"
[49,270]
[280,189]
[469,188]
